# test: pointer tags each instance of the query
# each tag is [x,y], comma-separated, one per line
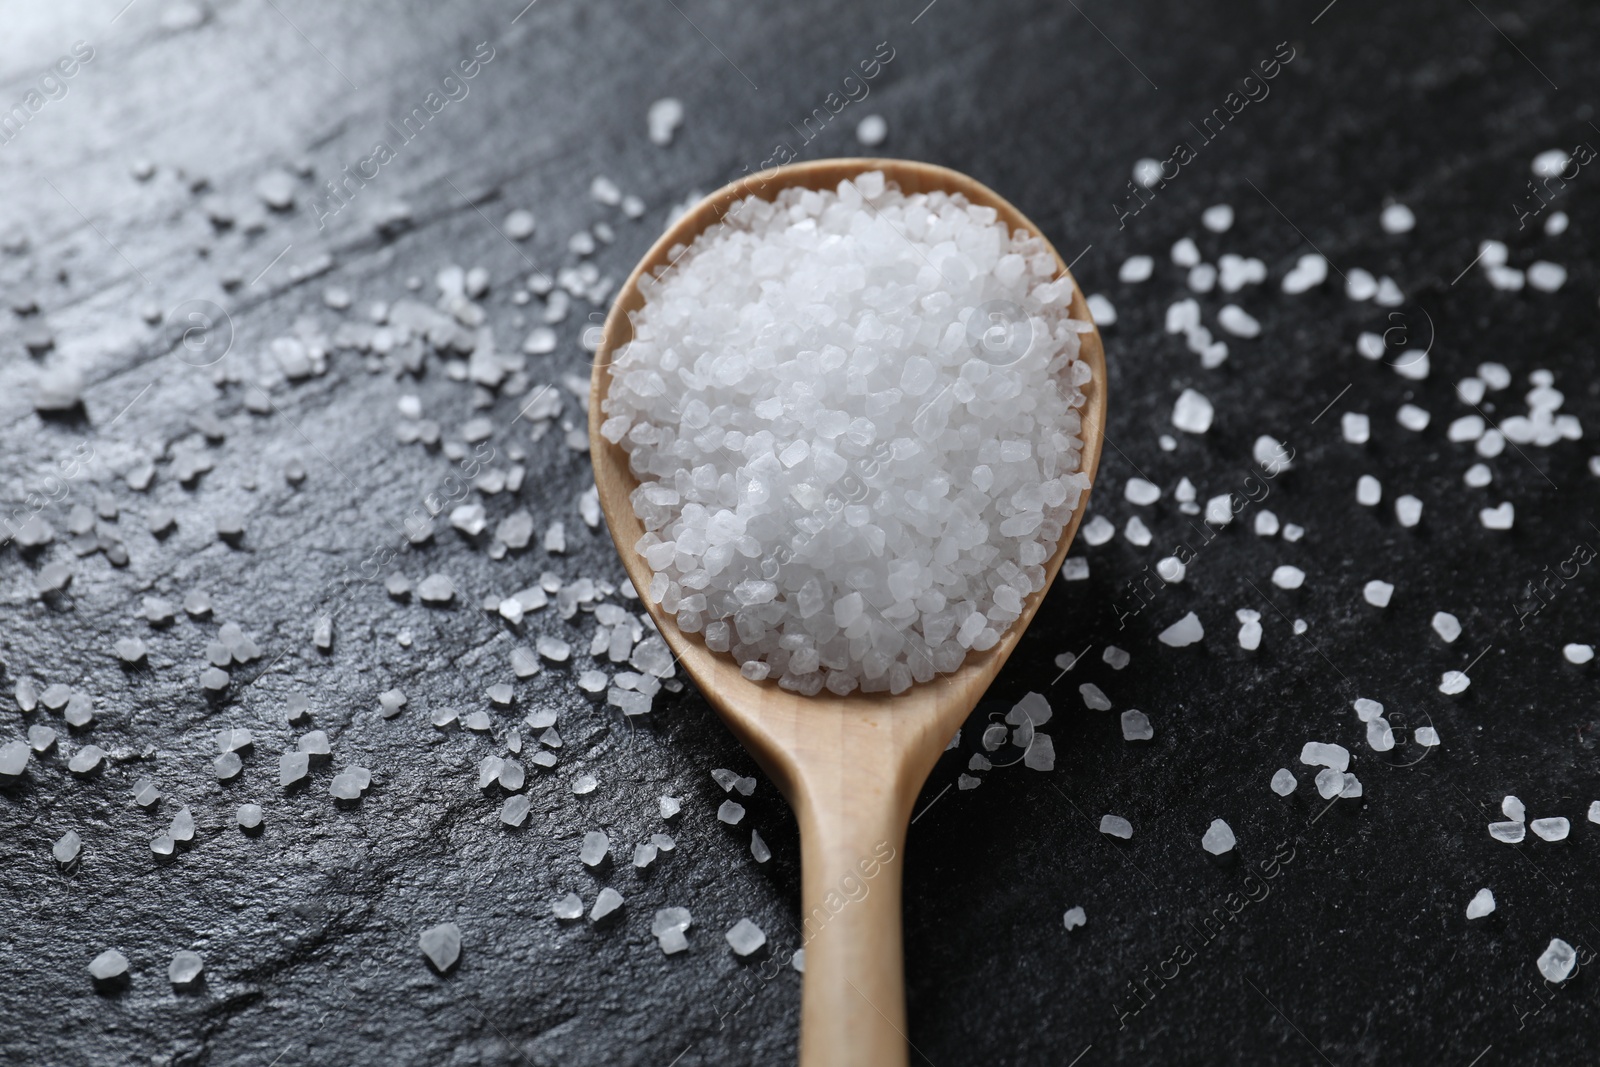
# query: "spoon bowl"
[851,767]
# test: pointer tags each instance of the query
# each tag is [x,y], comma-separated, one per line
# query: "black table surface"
[1334,933]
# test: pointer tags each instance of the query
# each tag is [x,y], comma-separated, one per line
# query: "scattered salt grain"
[1498,518]
[1426,736]
[1397,218]
[1136,269]
[1186,631]
[568,907]
[1192,413]
[1453,682]
[1408,510]
[184,968]
[1094,698]
[1139,491]
[872,130]
[758,847]
[1356,428]
[1377,593]
[442,945]
[1283,782]
[1218,218]
[108,966]
[1579,654]
[1368,491]
[669,807]
[1510,833]
[745,937]
[1481,904]
[1447,626]
[67,848]
[1557,961]
[1074,918]
[1218,838]
[1555,829]
[248,816]
[1330,783]
[1413,418]
[1238,322]
[1116,826]
[731,812]
[1288,577]
[1319,754]
[595,847]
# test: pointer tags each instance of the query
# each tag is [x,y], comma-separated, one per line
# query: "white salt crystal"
[1185,253]
[731,812]
[1116,826]
[1218,218]
[1512,808]
[1074,918]
[669,807]
[1102,310]
[1249,629]
[1481,904]
[1377,593]
[67,848]
[1579,654]
[1426,736]
[595,846]
[1555,829]
[1136,726]
[1137,532]
[1447,626]
[1397,218]
[1557,961]
[745,937]
[1094,698]
[1283,782]
[292,767]
[1498,517]
[109,965]
[1510,833]
[1556,224]
[1219,510]
[1192,413]
[872,130]
[1413,418]
[1098,530]
[605,904]
[1218,838]
[1288,577]
[1266,523]
[758,847]
[1074,569]
[1319,754]
[1238,322]
[248,816]
[1453,682]
[1186,631]
[1594,811]
[1380,736]
[1117,658]
[1136,269]
[1330,783]
[1368,491]
[1139,491]
[1408,510]
[184,968]
[664,118]
[1547,277]
[1355,427]
[1367,710]
[568,907]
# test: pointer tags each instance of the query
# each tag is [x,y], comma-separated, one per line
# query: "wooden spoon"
[850,767]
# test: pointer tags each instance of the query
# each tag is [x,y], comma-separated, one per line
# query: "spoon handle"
[852,844]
